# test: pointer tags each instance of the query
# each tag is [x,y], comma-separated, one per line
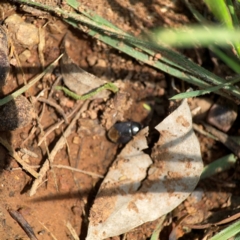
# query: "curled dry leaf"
[78,80]
[139,188]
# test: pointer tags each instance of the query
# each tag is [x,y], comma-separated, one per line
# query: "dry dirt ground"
[66,196]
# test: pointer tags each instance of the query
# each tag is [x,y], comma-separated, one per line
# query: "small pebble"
[76,210]
[91,60]
[42,232]
[222,114]
[76,140]
[24,56]
[26,34]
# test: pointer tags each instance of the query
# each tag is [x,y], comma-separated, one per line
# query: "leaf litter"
[139,188]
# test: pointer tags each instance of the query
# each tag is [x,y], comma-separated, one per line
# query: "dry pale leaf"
[137,188]
[77,79]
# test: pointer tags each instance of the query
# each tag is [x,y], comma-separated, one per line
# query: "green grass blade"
[229,61]
[225,13]
[220,11]
[107,86]
[219,165]
[233,13]
[228,232]
[157,56]
[204,91]
[193,36]
[23,89]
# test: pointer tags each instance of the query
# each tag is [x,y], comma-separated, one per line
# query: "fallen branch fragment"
[72,231]
[57,107]
[224,138]
[12,153]
[58,124]
[51,234]
[78,170]
[208,225]
[59,145]
[28,152]
[65,167]
[23,224]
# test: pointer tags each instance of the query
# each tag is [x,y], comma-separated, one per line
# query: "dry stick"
[72,231]
[58,124]
[48,230]
[28,152]
[78,170]
[17,158]
[17,216]
[64,167]
[59,145]
[208,225]
[34,128]
[53,104]
[224,138]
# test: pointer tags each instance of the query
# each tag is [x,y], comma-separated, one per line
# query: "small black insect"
[122,132]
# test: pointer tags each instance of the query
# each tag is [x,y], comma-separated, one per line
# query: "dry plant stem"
[224,138]
[54,85]
[23,224]
[203,132]
[59,145]
[53,237]
[65,167]
[58,124]
[28,152]
[34,128]
[72,231]
[57,107]
[208,225]
[41,45]
[12,153]
[78,170]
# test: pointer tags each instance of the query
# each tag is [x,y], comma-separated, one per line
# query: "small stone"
[91,59]
[26,34]
[76,210]
[76,140]
[23,135]
[42,232]
[222,114]
[24,56]
[101,67]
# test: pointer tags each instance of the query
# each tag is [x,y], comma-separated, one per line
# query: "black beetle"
[122,132]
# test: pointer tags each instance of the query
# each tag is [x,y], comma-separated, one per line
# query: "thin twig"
[224,138]
[64,167]
[53,104]
[28,152]
[17,216]
[208,225]
[12,153]
[48,230]
[58,124]
[59,145]
[72,230]
[78,170]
